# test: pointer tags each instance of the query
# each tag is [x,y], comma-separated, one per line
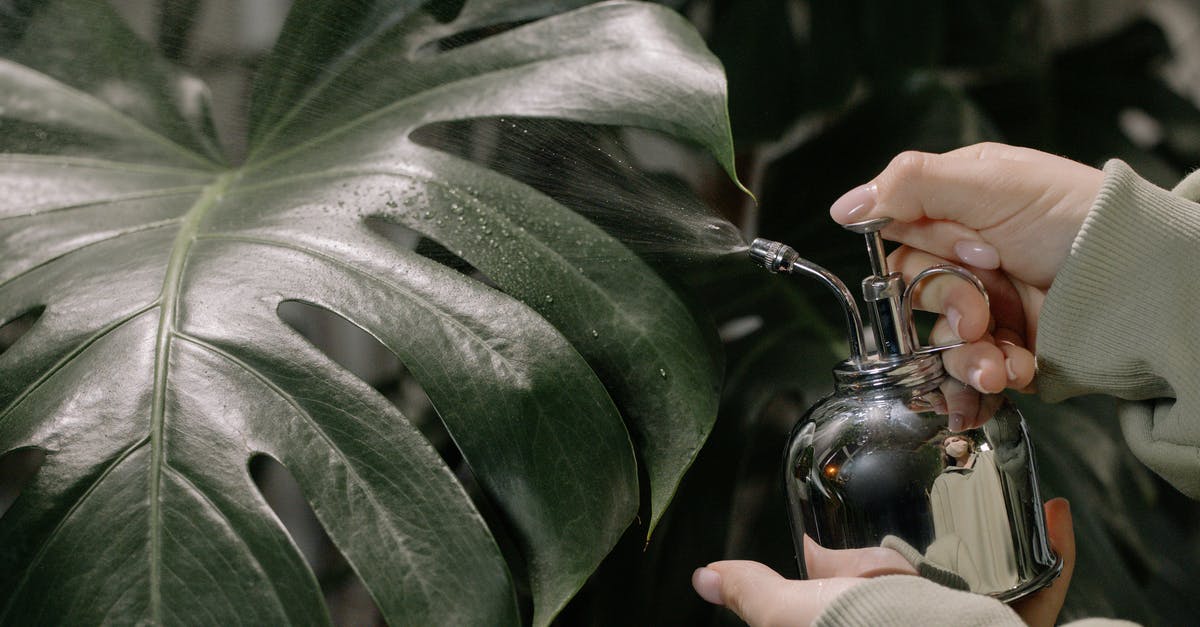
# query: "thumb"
[762,597]
[1042,607]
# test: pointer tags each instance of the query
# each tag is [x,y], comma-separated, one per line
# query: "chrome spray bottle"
[874,464]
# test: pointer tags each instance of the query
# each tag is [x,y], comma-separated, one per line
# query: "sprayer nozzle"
[772,255]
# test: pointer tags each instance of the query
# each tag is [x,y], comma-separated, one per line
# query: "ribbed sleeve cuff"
[904,600]
[1113,316]
[924,567]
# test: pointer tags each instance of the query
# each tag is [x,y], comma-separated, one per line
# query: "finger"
[979,364]
[869,562]
[1019,363]
[941,238]
[996,150]
[962,405]
[1007,301]
[1042,608]
[917,185]
[987,196]
[959,301]
[761,597]
[988,365]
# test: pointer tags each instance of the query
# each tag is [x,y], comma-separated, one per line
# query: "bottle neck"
[881,374]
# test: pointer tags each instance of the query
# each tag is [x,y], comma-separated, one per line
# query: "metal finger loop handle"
[907,300]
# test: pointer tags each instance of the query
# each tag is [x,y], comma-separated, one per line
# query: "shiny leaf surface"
[159,365]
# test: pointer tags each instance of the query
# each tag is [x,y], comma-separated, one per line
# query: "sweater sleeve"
[1121,319]
[903,600]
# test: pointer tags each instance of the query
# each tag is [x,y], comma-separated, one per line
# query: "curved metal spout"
[779,257]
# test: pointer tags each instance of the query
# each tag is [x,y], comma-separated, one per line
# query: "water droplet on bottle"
[549,299]
[662,373]
[595,333]
[455,207]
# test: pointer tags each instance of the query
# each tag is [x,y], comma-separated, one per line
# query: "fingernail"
[975,376]
[954,318]
[956,422]
[978,254]
[707,583]
[1008,367]
[854,204]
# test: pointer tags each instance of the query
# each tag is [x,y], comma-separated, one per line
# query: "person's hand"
[762,598]
[1009,214]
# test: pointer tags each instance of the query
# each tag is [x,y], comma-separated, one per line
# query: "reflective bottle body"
[865,468]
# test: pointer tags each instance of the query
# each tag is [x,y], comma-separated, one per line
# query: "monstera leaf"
[158,366]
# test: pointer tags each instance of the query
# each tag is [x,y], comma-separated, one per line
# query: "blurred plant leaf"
[1111,75]
[176,19]
[159,365]
[1121,526]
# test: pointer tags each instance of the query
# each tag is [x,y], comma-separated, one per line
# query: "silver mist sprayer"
[876,463]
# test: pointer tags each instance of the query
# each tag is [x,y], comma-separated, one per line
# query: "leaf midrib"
[169,303]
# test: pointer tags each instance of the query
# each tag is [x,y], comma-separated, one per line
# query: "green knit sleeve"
[1122,319]
[904,600]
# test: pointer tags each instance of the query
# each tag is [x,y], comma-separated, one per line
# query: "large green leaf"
[159,365]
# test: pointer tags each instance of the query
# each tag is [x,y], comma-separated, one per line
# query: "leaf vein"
[420,301]
[116,114]
[489,76]
[147,195]
[66,359]
[203,496]
[100,164]
[37,558]
[320,432]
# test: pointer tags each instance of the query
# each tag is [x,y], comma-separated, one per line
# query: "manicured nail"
[975,376]
[1008,367]
[854,205]
[956,422]
[954,318]
[707,583]
[978,254]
